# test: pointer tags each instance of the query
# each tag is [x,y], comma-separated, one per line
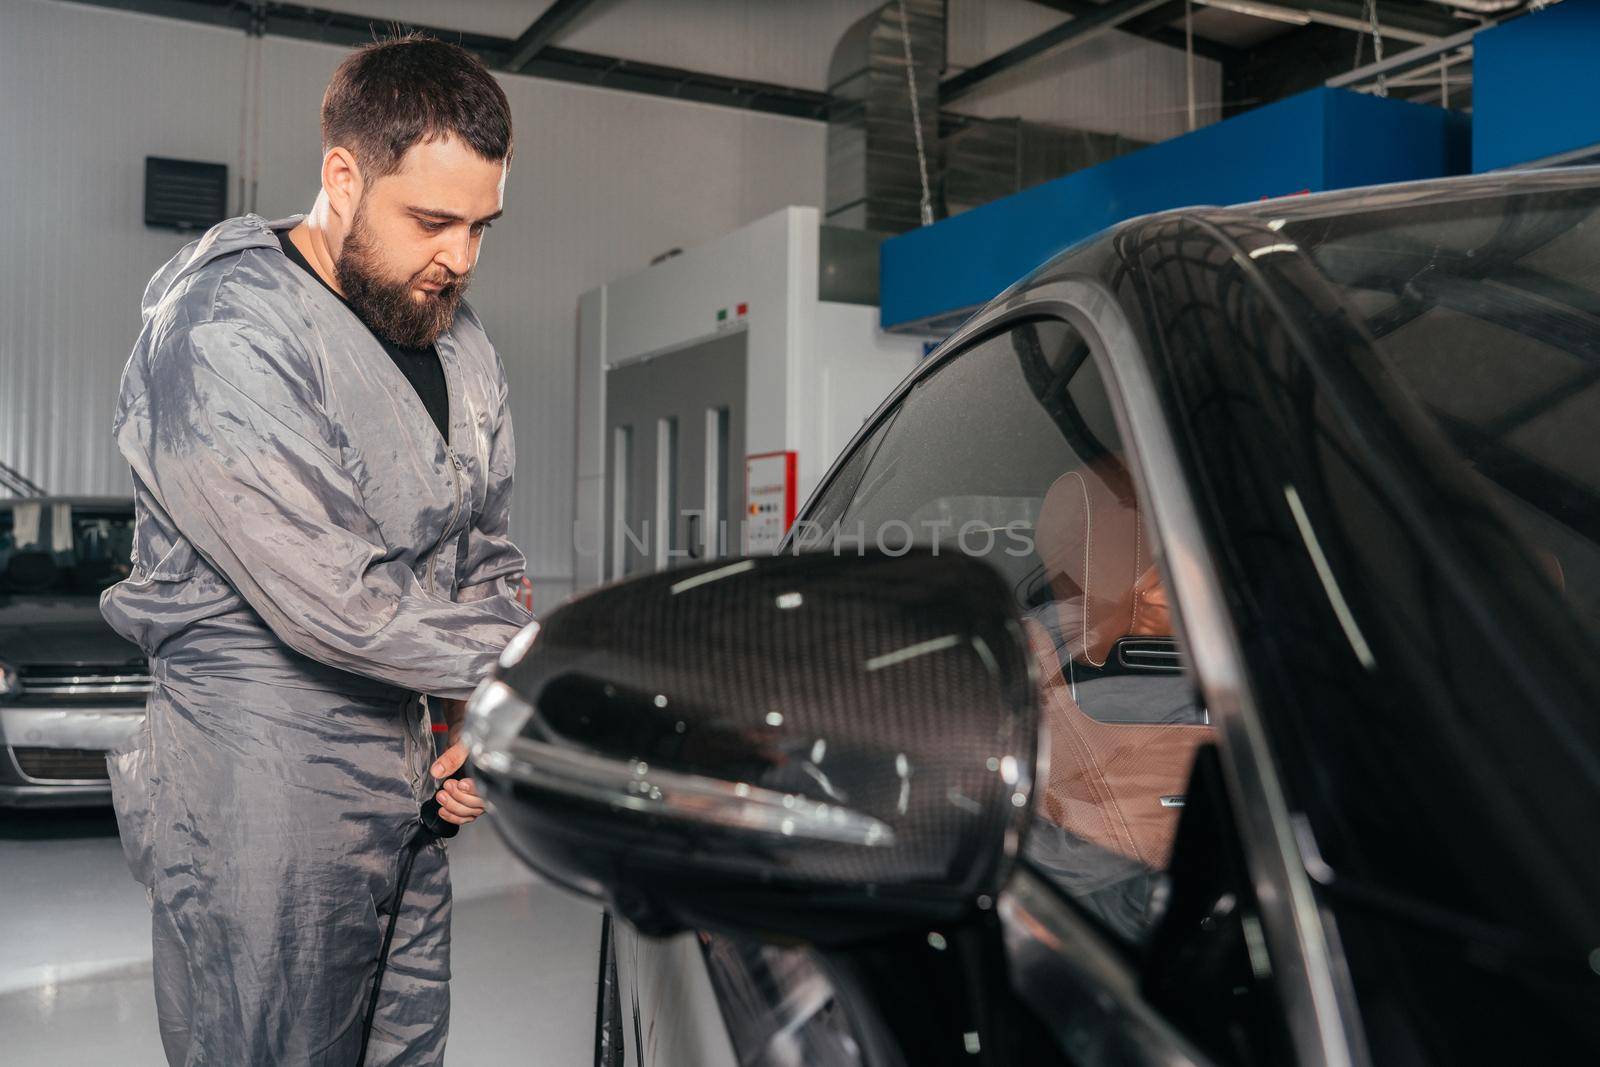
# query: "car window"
[55,548]
[1009,452]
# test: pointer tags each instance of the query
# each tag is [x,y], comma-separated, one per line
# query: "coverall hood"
[226,238]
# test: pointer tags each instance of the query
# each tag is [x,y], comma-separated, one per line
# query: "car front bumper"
[56,765]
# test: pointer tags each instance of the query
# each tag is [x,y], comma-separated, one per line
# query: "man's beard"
[388,308]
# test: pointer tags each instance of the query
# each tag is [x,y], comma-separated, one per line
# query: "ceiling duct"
[981,160]
[873,178]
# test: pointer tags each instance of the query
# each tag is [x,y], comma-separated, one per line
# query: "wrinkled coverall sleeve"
[491,561]
[248,465]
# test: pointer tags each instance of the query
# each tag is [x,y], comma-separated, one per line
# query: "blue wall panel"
[1536,86]
[1371,140]
[1322,139]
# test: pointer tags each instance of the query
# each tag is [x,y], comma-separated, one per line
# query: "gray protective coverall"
[310,556]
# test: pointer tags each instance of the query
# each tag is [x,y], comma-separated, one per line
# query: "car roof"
[1420,193]
[1305,206]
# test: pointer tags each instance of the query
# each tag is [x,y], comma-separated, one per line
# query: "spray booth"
[716,386]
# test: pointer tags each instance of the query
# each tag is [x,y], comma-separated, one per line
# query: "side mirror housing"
[818,747]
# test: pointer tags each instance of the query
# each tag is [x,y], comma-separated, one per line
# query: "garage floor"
[75,982]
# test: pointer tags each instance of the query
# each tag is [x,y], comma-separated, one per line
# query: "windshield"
[1440,729]
[57,548]
[1389,405]
[1489,311]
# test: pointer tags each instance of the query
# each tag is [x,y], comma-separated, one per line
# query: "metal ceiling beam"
[305,23]
[543,31]
[1406,61]
[1155,26]
[1074,31]
[1416,21]
[586,68]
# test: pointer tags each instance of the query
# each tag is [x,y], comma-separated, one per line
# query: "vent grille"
[181,194]
[128,682]
[62,764]
[1150,654]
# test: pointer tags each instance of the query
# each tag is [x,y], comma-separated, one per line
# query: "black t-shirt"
[421,366]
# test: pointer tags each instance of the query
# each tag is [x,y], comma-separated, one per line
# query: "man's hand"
[459,801]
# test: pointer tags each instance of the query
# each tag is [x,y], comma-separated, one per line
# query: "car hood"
[59,630]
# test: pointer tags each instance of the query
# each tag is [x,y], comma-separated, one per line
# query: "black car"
[1264,728]
[70,687]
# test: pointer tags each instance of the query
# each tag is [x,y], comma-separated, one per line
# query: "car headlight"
[10,685]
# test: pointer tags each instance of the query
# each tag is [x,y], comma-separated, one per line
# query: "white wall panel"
[602,181]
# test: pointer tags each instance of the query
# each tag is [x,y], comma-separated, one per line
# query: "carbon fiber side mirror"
[817,746]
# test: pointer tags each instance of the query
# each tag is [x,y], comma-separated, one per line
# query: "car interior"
[1123,730]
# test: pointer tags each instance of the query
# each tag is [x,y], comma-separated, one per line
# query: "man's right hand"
[458,798]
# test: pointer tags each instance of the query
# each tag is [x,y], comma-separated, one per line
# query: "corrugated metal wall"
[602,181]
[84,97]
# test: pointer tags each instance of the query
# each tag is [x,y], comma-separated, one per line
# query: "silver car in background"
[70,687]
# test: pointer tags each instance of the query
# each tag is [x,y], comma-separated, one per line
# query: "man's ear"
[341,181]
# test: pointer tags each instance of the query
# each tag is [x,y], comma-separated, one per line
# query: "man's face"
[409,254]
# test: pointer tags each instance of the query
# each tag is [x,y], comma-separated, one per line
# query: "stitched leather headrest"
[1099,561]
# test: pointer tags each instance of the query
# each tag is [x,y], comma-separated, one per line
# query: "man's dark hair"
[393,94]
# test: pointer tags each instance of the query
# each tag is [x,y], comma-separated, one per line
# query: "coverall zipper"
[455,513]
[407,715]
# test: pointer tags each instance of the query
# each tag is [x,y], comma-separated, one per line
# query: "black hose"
[412,848]
[432,828]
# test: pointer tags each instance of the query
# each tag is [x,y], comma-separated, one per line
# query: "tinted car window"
[1009,451]
[56,548]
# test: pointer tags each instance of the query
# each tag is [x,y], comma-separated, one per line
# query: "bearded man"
[322,460]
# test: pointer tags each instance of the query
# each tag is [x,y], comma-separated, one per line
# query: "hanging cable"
[1188,52]
[1377,44]
[249,163]
[242,170]
[259,29]
[916,115]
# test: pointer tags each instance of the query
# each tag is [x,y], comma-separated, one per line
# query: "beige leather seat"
[1106,780]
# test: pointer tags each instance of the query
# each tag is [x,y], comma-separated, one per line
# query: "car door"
[1013,447]
[1039,442]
